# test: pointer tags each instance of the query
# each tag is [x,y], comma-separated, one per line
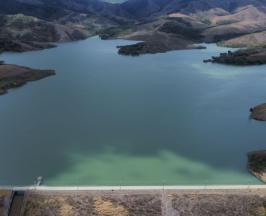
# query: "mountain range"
[161,25]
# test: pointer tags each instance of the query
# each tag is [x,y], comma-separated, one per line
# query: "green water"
[107,119]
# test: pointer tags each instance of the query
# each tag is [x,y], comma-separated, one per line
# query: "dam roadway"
[137,188]
[137,200]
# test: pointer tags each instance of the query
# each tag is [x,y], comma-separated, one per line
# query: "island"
[12,76]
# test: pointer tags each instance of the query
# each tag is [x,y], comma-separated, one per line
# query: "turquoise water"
[107,119]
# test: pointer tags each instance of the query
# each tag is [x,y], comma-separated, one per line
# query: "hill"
[162,25]
[35,24]
[180,31]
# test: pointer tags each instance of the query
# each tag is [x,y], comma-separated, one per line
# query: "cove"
[107,119]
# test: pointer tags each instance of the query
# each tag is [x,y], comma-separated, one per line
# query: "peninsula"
[249,56]
[257,164]
[13,76]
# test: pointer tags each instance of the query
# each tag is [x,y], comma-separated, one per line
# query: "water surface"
[107,119]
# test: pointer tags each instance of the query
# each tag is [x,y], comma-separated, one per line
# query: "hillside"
[146,8]
[242,21]
[164,34]
[29,25]
[180,31]
[251,56]
[29,33]
[249,40]
[162,25]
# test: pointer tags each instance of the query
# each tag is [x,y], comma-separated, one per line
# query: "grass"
[106,207]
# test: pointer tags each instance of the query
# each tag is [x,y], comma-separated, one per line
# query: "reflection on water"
[106,118]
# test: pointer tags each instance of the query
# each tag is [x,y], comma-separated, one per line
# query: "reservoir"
[107,119]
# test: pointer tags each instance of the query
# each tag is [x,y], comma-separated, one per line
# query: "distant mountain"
[35,24]
[161,24]
[114,1]
[131,9]
[52,9]
[145,8]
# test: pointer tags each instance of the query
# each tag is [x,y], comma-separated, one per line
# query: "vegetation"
[134,49]
[180,20]
[225,36]
[257,161]
[92,204]
[181,28]
[223,44]
[115,31]
[206,21]
[251,56]
[225,22]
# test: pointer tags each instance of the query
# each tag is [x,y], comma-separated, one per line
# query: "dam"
[134,200]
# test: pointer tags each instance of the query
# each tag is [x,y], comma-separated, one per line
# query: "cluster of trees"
[133,50]
[252,56]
